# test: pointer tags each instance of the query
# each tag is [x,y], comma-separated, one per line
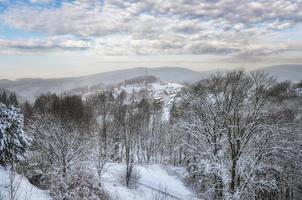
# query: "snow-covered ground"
[155,183]
[24,190]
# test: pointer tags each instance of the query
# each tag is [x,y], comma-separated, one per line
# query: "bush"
[79,186]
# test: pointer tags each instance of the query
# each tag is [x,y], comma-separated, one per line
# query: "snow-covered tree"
[103,105]
[13,140]
[60,142]
[231,136]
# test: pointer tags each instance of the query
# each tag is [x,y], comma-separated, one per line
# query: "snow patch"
[154,178]
[24,190]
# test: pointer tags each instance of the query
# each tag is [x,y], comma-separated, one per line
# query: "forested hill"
[30,88]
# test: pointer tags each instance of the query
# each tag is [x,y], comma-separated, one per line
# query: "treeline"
[238,135]
[8,99]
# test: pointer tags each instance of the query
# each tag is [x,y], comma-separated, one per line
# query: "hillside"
[30,88]
[149,87]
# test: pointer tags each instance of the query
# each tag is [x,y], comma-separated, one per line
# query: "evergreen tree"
[3,98]
[13,141]
[28,113]
[13,99]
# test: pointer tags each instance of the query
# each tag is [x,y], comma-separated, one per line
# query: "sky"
[62,38]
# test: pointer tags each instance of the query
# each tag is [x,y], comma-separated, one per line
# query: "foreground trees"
[237,134]
[61,131]
[234,136]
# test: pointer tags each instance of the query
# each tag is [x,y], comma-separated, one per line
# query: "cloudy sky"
[53,38]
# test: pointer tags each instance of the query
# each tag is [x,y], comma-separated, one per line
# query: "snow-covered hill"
[21,187]
[32,87]
[166,92]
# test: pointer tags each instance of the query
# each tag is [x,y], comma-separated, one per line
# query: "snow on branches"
[13,141]
[230,133]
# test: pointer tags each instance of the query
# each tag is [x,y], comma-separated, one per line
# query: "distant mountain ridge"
[29,88]
[285,72]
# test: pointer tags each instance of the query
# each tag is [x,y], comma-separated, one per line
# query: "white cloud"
[40,1]
[41,45]
[144,27]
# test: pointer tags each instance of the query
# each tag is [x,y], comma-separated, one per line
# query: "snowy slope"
[24,190]
[155,183]
[165,92]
